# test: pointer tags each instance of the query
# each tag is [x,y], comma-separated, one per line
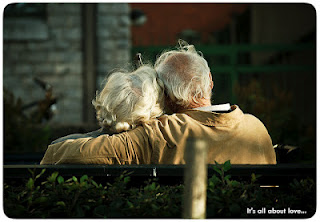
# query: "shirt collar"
[215,108]
[210,118]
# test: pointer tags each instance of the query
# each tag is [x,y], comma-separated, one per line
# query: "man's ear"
[211,81]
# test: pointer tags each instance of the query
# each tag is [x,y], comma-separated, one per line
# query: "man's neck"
[202,103]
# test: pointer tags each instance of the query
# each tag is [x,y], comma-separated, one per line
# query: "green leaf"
[154,207]
[227,166]
[44,182]
[31,172]
[253,178]
[61,203]
[41,173]
[126,179]
[153,186]
[69,180]
[215,168]
[227,177]
[74,179]
[215,180]
[40,200]
[37,188]
[130,204]
[84,178]
[244,195]
[86,207]
[234,183]
[52,178]
[60,179]
[30,184]
[94,183]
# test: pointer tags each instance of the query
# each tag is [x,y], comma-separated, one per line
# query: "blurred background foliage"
[22,132]
[278,116]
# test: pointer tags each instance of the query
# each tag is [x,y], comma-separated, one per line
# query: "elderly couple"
[135,130]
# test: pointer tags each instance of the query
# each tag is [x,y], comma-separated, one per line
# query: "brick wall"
[166,20]
[113,35]
[52,50]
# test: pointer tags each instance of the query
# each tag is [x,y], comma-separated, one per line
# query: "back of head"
[185,75]
[128,99]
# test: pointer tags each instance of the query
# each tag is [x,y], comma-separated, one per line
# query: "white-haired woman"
[127,100]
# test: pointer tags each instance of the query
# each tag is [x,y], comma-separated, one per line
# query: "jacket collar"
[216,119]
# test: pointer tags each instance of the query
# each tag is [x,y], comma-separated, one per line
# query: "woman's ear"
[211,81]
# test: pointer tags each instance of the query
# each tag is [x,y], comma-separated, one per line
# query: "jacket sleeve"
[95,133]
[130,147]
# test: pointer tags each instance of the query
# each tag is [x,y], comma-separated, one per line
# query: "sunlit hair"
[185,75]
[128,99]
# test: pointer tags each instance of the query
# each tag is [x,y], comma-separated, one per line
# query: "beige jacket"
[235,136]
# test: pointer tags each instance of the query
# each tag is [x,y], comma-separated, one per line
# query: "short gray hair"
[185,75]
[128,99]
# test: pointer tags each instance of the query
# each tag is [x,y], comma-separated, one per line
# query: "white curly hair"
[185,75]
[128,99]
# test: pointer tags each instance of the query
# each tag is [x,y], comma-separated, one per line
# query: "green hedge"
[57,197]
